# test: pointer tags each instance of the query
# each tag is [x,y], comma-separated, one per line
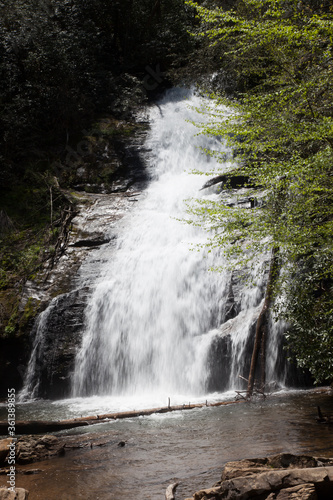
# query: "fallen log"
[170,491]
[42,427]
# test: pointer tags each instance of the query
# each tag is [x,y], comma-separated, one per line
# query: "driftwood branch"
[170,491]
[241,394]
[260,335]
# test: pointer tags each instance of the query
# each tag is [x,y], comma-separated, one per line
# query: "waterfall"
[158,321]
[156,299]
[157,308]
[32,378]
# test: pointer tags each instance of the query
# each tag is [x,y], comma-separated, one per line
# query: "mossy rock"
[30,311]
[9,303]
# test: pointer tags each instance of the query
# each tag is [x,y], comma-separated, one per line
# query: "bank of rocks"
[30,449]
[18,494]
[36,448]
[281,477]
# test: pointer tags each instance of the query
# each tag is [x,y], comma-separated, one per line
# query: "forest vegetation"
[280,124]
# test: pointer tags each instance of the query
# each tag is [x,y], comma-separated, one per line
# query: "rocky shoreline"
[280,477]
[32,449]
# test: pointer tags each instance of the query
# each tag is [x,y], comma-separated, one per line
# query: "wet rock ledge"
[281,477]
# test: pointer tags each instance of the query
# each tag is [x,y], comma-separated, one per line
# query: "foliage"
[281,126]
[63,62]
[309,310]
[27,240]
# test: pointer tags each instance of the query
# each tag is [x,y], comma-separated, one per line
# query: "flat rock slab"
[247,467]
[282,477]
[301,492]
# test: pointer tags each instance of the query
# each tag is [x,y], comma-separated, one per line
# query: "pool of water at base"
[190,447]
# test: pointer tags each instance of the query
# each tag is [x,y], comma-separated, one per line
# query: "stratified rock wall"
[62,337]
[63,291]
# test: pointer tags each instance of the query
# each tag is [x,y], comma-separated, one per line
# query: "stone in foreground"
[282,477]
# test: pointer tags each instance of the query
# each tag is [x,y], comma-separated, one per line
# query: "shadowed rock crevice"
[92,242]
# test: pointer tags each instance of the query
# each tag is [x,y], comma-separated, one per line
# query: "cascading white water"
[156,300]
[31,382]
[156,322]
[154,313]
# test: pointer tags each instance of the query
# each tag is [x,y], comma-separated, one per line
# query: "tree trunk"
[260,337]
[263,358]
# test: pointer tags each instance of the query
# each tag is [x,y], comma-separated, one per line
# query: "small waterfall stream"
[157,320]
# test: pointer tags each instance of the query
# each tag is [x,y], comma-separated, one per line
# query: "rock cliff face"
[62,292]
[221,351]
[61,336]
